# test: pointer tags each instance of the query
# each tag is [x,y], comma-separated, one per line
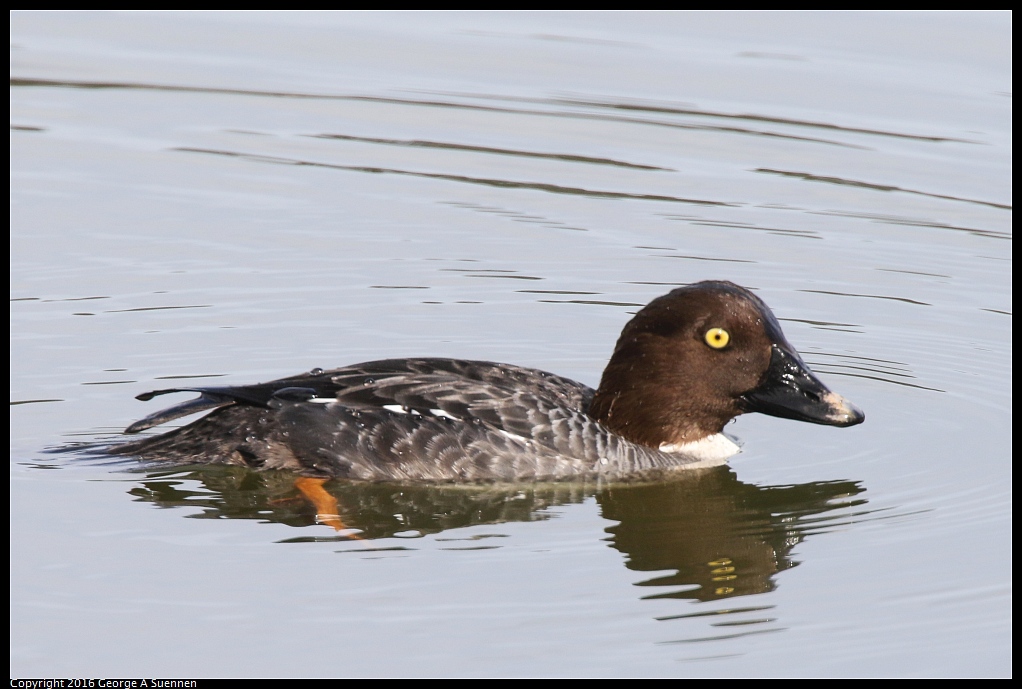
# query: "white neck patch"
[711,451]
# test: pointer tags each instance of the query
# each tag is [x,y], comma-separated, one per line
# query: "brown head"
[695,358]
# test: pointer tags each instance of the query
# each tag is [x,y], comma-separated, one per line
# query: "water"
[237,197]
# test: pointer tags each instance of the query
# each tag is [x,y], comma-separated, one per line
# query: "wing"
[506,397]
[432,419]
[519,401]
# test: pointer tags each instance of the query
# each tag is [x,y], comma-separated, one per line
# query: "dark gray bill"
[791,391]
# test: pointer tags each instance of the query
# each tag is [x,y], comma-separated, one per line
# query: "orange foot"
[325,504]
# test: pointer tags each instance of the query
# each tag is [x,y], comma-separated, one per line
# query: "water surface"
[200,198]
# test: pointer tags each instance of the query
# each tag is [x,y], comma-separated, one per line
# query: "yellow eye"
[717,338]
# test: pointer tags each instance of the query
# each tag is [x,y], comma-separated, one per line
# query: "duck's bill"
[791,391]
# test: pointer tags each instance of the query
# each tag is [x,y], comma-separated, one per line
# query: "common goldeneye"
[684,366]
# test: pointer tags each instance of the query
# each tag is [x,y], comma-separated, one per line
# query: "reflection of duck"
[683,367]
[376,510]
[705,536]
[712,536]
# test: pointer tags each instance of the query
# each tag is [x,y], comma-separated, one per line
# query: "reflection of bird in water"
[684,366]
[724,537]
[376,510]
[719,536]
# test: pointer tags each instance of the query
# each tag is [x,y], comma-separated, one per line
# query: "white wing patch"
[512,436]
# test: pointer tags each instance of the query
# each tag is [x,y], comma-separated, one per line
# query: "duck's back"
[401,419]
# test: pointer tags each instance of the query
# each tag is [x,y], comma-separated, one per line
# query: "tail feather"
[204,402]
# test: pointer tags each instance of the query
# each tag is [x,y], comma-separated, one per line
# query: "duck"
[683,367]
